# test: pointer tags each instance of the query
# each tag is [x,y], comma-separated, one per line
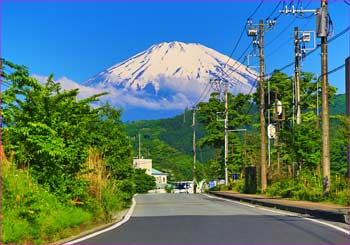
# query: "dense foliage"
[77,157]
[211,114]
[296,149]
[70,163]
[143,181]
[31,214]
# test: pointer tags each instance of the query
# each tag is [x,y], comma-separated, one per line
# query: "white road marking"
[327,224]
[126,218]
[228,200]
[285,213]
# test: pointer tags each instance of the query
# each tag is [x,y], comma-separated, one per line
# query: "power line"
[256,10]
[332,71]
[202,94]
[236,45]
[284,43]
[240,62]
[314,50]
[233,51]
[292,63]
[205,92]
[284,3]
[284,29]
[328,73]
[242,31]
[274,10]
[339,34]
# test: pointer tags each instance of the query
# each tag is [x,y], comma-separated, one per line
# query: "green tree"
[50,130]
[340,137]
[210,114]
[143,181]
[300,144]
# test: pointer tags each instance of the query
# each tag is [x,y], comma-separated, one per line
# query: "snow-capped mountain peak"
[171,75]
[174,60]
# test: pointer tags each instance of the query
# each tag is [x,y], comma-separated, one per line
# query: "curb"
[327,215]
[120,218]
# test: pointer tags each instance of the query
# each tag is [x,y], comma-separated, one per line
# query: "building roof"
[157,172]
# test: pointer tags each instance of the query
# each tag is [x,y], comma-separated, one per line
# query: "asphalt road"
[198,219]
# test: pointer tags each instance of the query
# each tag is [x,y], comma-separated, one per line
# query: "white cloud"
[123,98]
[67,84]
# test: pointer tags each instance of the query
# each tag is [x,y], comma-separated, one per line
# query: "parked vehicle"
[183,187]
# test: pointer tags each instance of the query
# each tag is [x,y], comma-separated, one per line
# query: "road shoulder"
[118,219]
[328,212]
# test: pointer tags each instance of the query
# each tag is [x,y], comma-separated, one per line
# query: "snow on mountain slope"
[170,76]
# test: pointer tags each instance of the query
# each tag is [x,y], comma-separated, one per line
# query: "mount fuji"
[167,78]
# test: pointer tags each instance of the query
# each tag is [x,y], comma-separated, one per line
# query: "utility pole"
[347,87]
[226,132]
[139,145]
[225,126]
[253,32]
[194,151]
[317,104]
[323,33]
[297,72]
[268,122]
[262,107]
[2,154]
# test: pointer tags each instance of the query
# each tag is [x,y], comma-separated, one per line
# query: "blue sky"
[79,39]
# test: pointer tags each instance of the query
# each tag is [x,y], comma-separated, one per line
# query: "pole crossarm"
[300,11]
[237,130]
[268,25]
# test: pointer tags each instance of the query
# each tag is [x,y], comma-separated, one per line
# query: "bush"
[223,187]
[168,188]
[125,192]
[238,185]
[143,181]
[308,186]
[110,200]
[33,215]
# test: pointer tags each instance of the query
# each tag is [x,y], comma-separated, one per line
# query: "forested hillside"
[337,104]
[169,143]
[295,154]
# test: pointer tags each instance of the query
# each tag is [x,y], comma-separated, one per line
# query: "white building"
[144,164]
[161,178]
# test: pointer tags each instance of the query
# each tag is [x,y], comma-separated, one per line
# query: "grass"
[308,187]
[32,215]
